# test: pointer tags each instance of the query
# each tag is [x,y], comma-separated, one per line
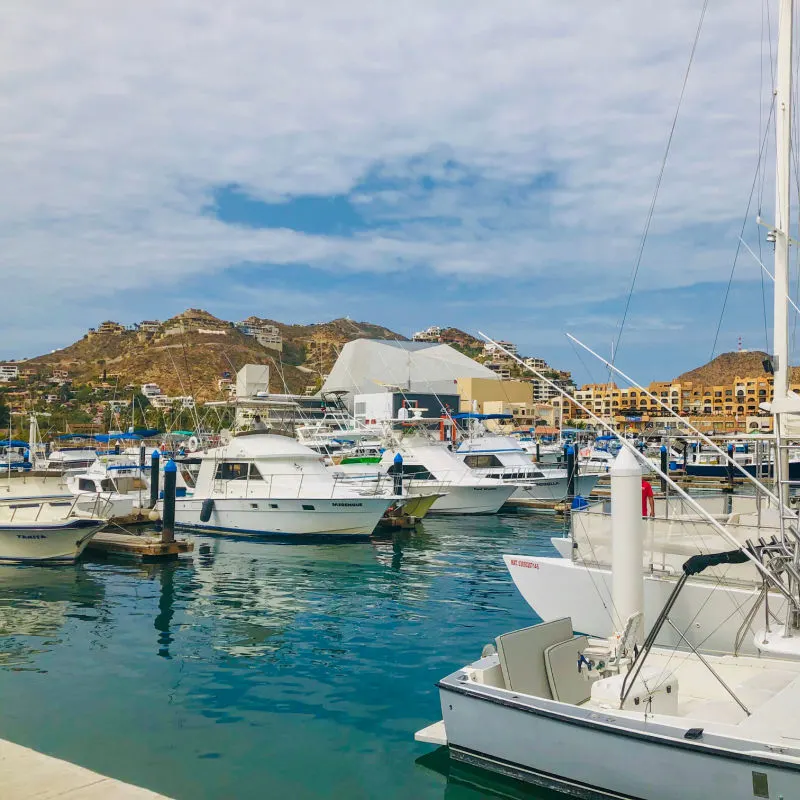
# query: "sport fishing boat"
[428,467]
[502,458]
[269,485]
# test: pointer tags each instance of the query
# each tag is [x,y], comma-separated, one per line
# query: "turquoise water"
[258,670]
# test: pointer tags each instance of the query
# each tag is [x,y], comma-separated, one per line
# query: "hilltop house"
[265,334]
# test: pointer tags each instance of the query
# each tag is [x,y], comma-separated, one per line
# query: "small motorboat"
[48,529]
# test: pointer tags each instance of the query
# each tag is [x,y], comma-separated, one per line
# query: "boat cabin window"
[107,485]
[416,471]
[188,476]
[85,485]
[237,471]
[482,460]
[255,475]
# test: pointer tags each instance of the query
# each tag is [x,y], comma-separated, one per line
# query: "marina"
[371,551]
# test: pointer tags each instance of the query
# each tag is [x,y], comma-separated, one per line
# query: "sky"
[481,165]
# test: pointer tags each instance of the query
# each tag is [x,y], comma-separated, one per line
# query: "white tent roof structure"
[366,366]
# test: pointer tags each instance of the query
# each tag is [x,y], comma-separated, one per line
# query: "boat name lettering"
[30,536]
[517,562]
[347,505]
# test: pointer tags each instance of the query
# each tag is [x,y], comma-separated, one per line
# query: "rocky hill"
[725,368]
[189,353]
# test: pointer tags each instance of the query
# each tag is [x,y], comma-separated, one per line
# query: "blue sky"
[407,166]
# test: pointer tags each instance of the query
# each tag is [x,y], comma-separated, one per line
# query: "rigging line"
[180,380]
[583,363]
[188,378]
[652,208]
[744,224]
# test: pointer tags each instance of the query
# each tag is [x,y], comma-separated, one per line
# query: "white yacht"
[65,460]
[268,485]
[578,582]
[502,458]
[48,529]
[117,478]
[430,467]
[642,720]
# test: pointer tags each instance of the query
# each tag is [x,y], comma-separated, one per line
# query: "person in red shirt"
[648,500]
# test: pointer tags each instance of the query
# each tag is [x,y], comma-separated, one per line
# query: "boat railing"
[100,506]
[293,484]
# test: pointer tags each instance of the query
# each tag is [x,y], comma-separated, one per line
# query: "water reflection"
[466,782]
[36,602]
[166,607]
[245,658]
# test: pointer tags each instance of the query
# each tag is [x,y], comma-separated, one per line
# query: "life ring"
[193,445]
[585,452]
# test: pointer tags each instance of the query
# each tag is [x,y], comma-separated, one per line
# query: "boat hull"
[559,587]
[555,489]
[588,754]
[469,499]
[335,517]
[57,543]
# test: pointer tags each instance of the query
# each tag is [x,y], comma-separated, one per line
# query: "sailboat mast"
[783,129]
[783,136]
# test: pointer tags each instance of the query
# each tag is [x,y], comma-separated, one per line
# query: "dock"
[28,775]
[139,545]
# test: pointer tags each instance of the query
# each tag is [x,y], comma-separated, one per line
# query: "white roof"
[263,445]
[366,366]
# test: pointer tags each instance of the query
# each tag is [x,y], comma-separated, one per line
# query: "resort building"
[265,334]
[431,334]
[535,363]
[148,326]
[723,408]
[502,371]
[494,350]
[109,327]
[161,401]
[475,393]
[182,401]
[8,373]
[151,390]
[524,415]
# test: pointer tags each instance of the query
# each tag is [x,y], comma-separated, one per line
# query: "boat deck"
[769,689]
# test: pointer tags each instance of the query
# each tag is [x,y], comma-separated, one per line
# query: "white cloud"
[119,118]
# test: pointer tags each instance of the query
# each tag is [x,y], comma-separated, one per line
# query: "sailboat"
[642,720]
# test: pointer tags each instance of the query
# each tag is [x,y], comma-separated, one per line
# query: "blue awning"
[117,437]
[77,436]
[13,443]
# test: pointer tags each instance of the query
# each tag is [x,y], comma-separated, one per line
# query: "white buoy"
[627,537]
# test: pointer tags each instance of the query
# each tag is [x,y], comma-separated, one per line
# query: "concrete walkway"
[28,775]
